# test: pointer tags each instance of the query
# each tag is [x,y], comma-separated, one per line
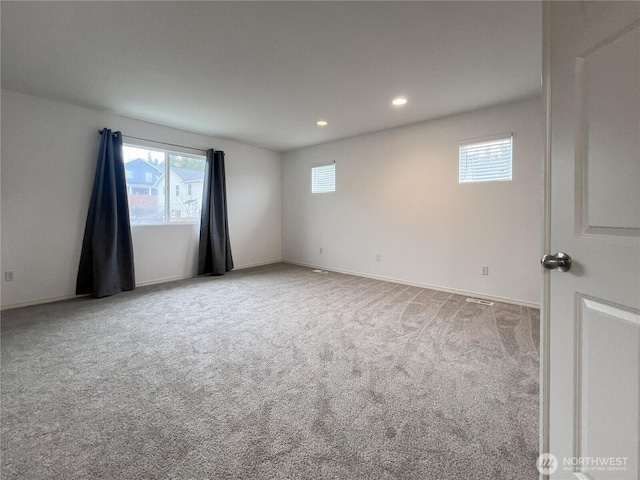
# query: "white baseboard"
[270,262]
[483,296]
[163,280]
[184,277]
[251,265]
[39,302]
[138,284]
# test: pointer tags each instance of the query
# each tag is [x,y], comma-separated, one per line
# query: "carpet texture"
[270,373]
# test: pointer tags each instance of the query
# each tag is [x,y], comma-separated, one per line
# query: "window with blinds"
[486,159]
[323,178]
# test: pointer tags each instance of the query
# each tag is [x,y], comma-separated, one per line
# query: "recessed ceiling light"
[322,123]
[399,101]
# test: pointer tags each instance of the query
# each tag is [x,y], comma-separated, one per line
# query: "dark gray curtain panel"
[214,256]
[106,260]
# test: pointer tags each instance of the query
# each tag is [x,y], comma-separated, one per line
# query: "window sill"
[172,224]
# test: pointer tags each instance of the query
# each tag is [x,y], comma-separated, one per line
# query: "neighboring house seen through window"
[151,174]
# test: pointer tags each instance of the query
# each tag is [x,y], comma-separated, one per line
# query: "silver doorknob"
[560,261]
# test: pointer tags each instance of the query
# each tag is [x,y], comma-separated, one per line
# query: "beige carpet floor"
[270,373]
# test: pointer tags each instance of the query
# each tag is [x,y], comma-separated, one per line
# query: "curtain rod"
[161,143]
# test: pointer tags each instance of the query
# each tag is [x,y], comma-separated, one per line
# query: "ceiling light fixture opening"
[399,101]
[322,123]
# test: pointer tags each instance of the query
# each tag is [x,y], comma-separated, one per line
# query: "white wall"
[49,152]
[397,194]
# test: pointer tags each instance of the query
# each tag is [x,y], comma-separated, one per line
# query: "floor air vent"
[481,302]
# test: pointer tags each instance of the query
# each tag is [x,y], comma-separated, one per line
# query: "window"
[323,178]
[163,171]
[487,159]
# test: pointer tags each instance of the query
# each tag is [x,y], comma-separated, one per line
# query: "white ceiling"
[264,72]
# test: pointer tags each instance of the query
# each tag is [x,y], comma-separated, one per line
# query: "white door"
[591,313]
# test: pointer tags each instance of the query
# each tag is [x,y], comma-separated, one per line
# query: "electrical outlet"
[320,249]
[8,276]
[485,269]
[377,257]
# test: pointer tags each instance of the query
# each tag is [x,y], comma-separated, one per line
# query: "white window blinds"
[323,178]
[486,159]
